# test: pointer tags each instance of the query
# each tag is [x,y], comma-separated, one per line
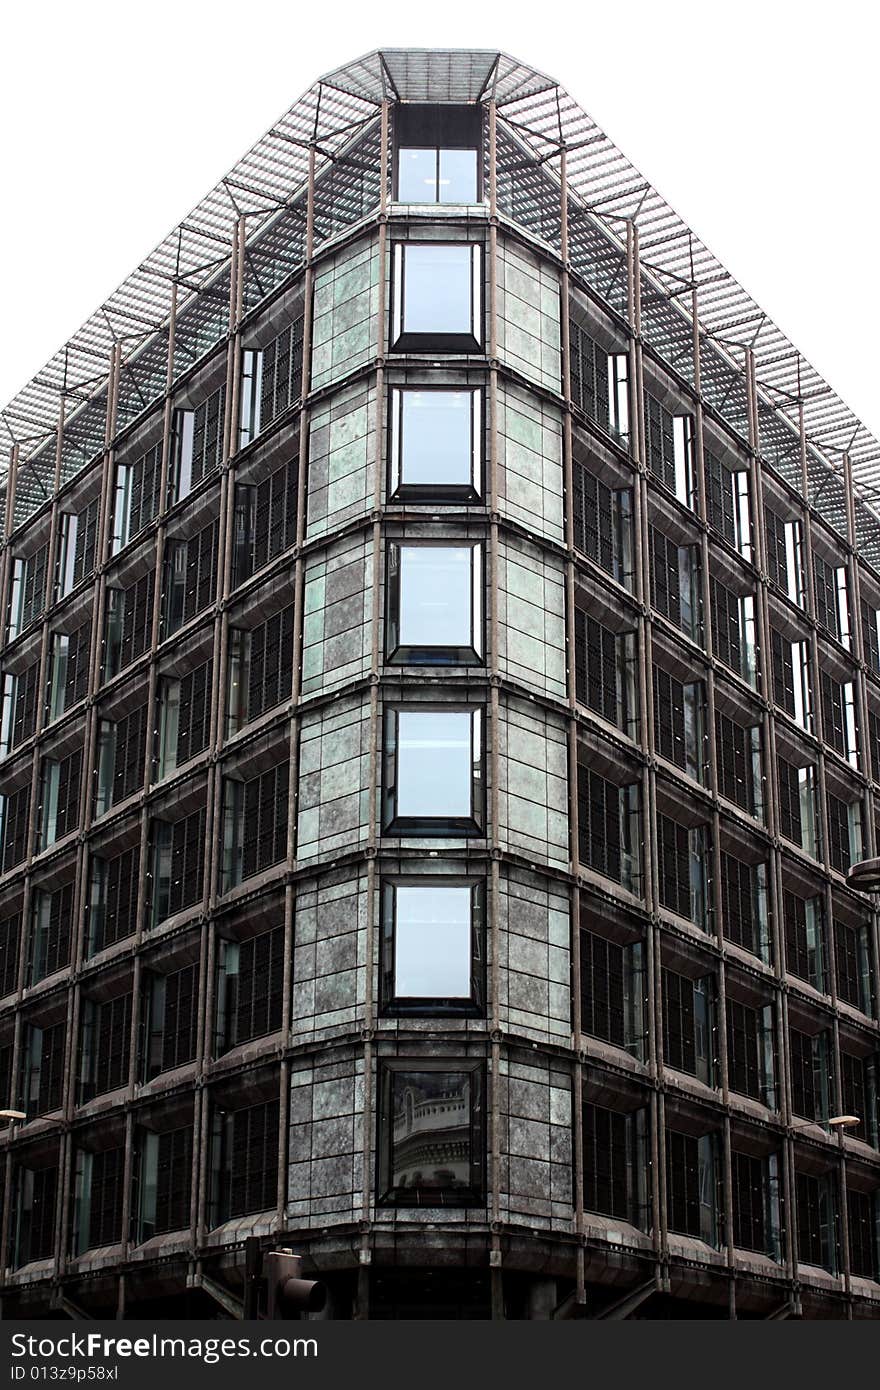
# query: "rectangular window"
[844,833]
[756,1204]
[196,445]
[164,1179]
[605,672]
[816,1220]
[121,754]
[190,578]
[839,717]
[265,520]
[727,504]
[615,1166]
[797,805]
[42,1068]
[435,446]
[178,864]
[260,669]
[35,1192]
[734,631]
[433,771]
[810,1074]
[184,709]
[852,952]
[435,604]
[678,722]
[791,678]
[602,518]
[271,380]
[10,935]
[250,989]
[137,500]
[739,764]
[432,1134]
[863,1220]
[675,583]
[681,865]
[437,297]
[244,1161]
[785,555]
[609,830]
[670,449]
[432,175]
[171,1013]
[14,816]
[804,939]
[750,1051]
[77,548]
[689,1025]
[432,951]
[744,904]
[871,636]
[858,1083]
[20,700]
[254,824]
[52,917]
[98,1199]
[105,1046]
[59,797]
[69,655]
[830,587]
[613,991]
[691,1185]
[27,590]
[588,375]
[129,624]
[598,382]
[113,899]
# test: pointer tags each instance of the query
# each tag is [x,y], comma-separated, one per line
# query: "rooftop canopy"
[267,181]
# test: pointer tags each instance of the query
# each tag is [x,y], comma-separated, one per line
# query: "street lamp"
[835,1122]
[13,1115]
[865,875]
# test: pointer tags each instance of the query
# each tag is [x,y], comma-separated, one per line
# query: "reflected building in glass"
[440,708]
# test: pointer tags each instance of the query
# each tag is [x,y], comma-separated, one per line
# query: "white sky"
[757,121]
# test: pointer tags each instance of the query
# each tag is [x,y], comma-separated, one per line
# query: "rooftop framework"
[56,424]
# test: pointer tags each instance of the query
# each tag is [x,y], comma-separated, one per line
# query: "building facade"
[441,705]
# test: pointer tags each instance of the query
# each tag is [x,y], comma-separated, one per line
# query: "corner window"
[431,1134]
[435,595]
[432,947]
[435,444]
[433,771]
[437,299]
[436,176]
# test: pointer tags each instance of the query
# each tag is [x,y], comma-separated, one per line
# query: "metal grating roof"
[608,189]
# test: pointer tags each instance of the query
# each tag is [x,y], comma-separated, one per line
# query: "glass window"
[434,603]
[433,772]
[437,295]
[432,953]
[435,443]
[437,176]
[432,1134]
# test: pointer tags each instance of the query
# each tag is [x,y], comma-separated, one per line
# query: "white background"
[757,121]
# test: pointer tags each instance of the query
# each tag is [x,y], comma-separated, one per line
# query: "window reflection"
[433,1136]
